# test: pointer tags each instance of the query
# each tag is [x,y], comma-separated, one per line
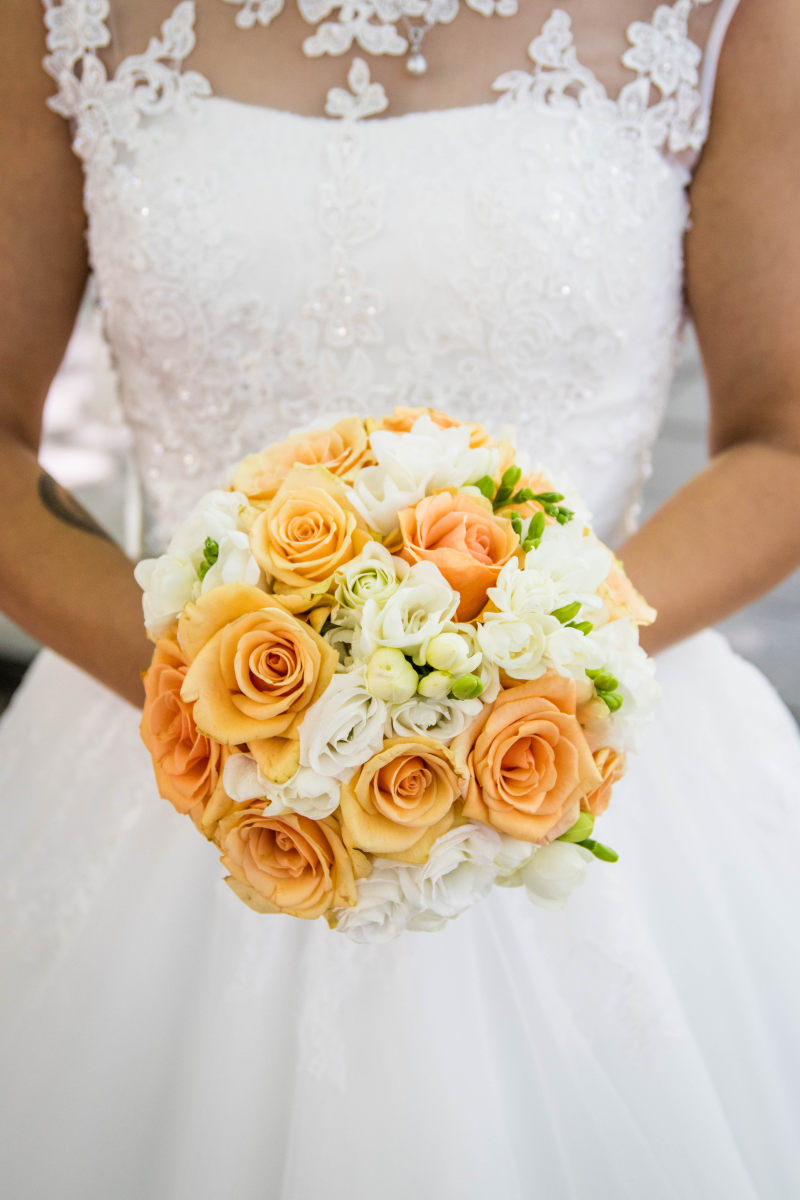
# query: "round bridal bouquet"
[393,667]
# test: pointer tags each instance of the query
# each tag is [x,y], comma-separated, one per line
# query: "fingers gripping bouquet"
[392,670]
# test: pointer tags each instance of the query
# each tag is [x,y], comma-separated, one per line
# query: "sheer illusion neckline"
[557,55]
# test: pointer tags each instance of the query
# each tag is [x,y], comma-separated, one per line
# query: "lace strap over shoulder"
[663,103]
[109,111]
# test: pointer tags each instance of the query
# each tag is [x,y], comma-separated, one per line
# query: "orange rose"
[402,421]
[343,450]
[188,764]
[401,800]
[530,765]
[611,766]
[308,530]
[254,671]
[288,864]
[466,541]
[622,599]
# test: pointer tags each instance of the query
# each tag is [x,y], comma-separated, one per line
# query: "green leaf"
[584,626]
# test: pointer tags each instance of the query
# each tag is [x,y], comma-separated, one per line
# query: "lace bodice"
[518,261]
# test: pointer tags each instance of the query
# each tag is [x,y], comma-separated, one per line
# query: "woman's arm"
[61,578]
[733,531]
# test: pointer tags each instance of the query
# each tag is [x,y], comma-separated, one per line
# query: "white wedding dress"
[517,260]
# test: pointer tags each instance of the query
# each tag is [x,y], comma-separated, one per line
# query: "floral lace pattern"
[542,289]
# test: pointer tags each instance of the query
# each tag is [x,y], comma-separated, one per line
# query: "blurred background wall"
[85,448]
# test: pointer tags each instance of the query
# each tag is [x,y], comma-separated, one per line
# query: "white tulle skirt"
[160,1041]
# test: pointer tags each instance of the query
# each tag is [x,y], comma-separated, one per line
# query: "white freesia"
[618,651]
[373,575]
[170,581]
[567,565]
[512,857]
[435,685]
[345,642]
[307,793]
[486,671]
[411,465]
[420,608]
[343,728]
[434,457]
[452,651]
[459,872]
[441,719]
[553,873]
[379,494]
[516,644]
[382,909]
[390,676]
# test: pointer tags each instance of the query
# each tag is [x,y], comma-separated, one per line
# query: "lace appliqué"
[146,85]
[371,24]
[663,55]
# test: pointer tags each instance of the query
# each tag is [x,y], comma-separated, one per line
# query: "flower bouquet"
[393,667]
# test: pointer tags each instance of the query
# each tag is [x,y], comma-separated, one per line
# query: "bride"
[507,211]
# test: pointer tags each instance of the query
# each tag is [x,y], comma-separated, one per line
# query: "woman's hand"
[733,531]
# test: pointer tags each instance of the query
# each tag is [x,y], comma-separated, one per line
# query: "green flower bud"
[448,652]
[510,479]
[584,626]
[599,850]
[612,700]
[435,685]
[566,612]
[466,688]
[604,681]
[390,676]
[580,830]
[211,551]
[485,485]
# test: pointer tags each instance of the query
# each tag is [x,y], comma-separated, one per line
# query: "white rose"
[373,575]
[553,873]
[459,872]
[420,608]
[382,910]
[307,793]
[441,719]
[168,583]
[343,728]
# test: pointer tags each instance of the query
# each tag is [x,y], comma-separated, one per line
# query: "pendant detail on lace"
[416,63]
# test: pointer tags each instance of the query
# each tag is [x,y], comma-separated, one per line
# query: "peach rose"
[308,530]
[611,765]
[401,800]
[622,599]
[288,864]
[402,421]
[254,670]
[343,450]
[466,541]
[530,765]
[187,763]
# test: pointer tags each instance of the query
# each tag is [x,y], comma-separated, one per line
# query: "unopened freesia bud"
[390,676]
[435,685]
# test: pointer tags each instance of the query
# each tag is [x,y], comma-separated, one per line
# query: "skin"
[699,558]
